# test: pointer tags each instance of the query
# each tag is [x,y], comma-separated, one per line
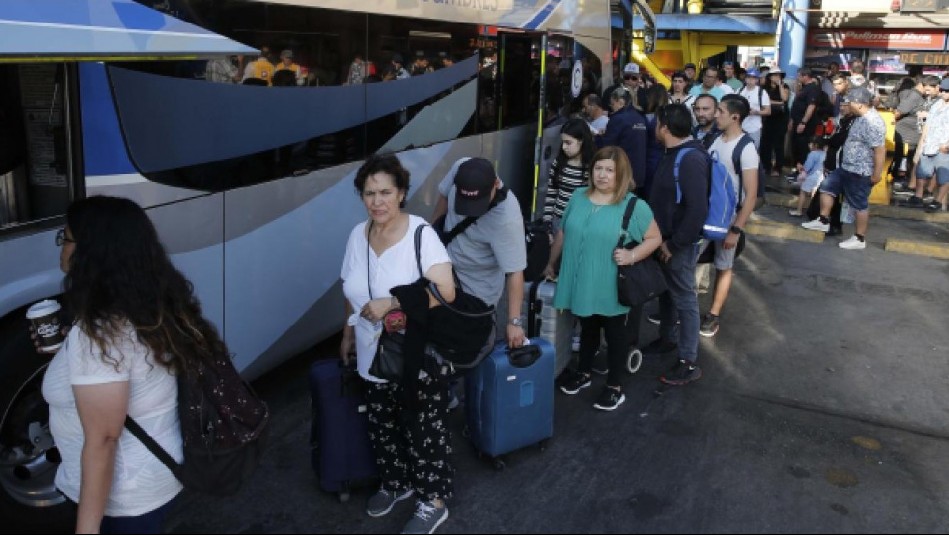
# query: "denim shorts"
[855,188]
[724,258]
[937,164]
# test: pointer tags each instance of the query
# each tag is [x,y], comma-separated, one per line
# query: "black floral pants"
[412,447]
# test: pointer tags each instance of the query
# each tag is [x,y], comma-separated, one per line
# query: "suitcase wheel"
[543,444]
[343,496]
[499,464]
[634,361]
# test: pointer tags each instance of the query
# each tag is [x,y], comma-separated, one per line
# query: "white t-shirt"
[753,123]
[723,151]
[141,483]
[394,268]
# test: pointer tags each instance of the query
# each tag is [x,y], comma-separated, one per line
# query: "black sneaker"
[934,206]
[609,399]
[682,373]
[834,231]
[899,185]
[710,325]
[575,383]
[659,346]
[914,202]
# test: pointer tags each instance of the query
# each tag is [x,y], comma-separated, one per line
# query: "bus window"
[432,59]
[34,154]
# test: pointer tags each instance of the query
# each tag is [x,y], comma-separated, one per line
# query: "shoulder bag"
[642,281]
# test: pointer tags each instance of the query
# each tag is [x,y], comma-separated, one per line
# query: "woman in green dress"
[591,227]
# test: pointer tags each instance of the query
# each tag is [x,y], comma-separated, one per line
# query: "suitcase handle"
[524,356]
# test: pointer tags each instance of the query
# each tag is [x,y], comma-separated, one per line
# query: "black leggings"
[617,344]
[772,141]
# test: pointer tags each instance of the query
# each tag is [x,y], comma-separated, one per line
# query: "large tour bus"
[250,184]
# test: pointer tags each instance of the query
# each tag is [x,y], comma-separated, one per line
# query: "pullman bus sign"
[923,58]
[880,39]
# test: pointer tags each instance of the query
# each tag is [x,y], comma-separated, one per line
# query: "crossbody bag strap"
[150,443]
[471,220]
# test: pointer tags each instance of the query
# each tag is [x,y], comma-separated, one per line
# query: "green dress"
[587,281]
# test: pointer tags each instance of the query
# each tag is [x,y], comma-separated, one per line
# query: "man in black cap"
[490,254]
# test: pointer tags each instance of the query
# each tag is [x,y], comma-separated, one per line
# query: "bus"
[248,177]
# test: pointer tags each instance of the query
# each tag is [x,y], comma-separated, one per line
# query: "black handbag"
[640,282]
[389,361]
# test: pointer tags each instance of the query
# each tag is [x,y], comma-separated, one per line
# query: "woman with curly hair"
[136,325]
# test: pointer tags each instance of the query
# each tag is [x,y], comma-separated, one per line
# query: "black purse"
[640,282]
[389,362]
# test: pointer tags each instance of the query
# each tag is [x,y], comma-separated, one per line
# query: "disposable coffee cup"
[45,319]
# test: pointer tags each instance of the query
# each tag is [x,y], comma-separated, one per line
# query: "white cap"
[631,68]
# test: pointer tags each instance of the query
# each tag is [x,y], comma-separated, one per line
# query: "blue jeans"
[150,523]
[681,302]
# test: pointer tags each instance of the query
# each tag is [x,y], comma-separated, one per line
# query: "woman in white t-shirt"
[136,324]
[412,453]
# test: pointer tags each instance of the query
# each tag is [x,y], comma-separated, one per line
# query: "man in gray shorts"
[490,255]
[932,156]
[731,111]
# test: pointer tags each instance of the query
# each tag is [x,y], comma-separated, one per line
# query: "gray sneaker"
[427,518]
[383,501]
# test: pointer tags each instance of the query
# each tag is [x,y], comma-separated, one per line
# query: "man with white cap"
[633,82]
[759,104]
[489,254]
[861,166]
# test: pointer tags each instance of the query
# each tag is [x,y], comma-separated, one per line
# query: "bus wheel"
[28,457]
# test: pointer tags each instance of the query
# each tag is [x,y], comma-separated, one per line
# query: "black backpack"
[223,424]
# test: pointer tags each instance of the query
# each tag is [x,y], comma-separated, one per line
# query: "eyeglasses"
[61,238]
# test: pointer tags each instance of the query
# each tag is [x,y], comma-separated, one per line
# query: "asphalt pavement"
[824,407]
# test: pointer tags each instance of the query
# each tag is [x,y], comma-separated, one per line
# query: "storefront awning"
[102,30]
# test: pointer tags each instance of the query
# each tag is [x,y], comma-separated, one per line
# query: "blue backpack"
[723,203]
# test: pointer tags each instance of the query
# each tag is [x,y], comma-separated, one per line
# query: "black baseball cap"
[473,184]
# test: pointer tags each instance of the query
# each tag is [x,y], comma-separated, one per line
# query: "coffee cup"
[44,316]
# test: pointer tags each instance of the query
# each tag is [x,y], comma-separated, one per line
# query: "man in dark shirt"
[680,222]
[627,130]
[803,120]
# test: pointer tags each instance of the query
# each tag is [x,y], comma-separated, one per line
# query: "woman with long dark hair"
[775,125]
[136,325]
[569,171]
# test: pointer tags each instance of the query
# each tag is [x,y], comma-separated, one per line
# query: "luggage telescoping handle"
[524,356]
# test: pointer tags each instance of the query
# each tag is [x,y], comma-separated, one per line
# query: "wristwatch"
[735,229]
[516,321]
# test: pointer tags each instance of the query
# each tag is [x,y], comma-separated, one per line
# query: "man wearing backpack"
[759,106]
[736,151]
[679,199]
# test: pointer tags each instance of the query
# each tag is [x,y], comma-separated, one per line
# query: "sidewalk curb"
[876,210]
[930,249]
[785,231]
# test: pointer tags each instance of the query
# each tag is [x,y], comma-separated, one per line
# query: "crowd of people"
[135,329]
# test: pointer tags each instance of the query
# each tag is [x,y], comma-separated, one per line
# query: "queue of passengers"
[152,319]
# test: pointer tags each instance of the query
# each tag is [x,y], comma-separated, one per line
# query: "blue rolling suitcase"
[342,455]
[510,399]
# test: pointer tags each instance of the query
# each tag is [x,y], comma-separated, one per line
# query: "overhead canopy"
[101,30]
[712,23]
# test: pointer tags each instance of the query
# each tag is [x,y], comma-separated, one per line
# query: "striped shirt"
[560,187]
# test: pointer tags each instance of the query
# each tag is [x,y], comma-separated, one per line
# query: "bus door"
[520,97]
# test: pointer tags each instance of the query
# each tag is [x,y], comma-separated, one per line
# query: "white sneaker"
[853,243]
[816,225]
